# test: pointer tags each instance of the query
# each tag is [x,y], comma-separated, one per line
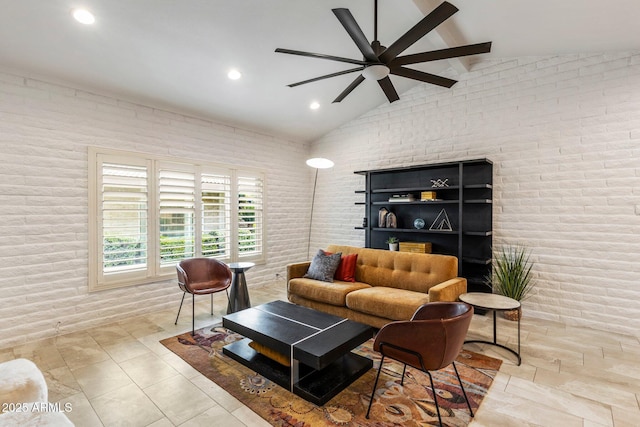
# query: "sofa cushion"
[323,266]
[405,270]
[334,293]
[347,268]
[391,303]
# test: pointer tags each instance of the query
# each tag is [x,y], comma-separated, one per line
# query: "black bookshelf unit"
[463,190]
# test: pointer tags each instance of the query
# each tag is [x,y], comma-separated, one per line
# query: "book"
[399,198]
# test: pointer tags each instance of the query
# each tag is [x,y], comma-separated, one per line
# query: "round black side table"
[495,303]
[239,294]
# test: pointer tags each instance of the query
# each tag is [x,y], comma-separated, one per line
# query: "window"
[146,214]
[124,217]
[250,223]
[216,215]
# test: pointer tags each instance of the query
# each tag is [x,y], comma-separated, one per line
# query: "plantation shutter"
[124,218]
[176,213]
[216,215]
[250,190]
[146,214]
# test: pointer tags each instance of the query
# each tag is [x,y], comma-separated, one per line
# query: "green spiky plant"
[511,272]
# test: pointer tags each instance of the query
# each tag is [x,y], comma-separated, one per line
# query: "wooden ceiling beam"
[448,33]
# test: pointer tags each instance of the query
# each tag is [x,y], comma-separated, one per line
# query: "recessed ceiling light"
[314,105]
[83,16]
[234,74]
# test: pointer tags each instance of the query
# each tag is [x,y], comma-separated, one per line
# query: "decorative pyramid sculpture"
[441,222]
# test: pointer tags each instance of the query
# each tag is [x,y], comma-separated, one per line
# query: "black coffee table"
[318,346]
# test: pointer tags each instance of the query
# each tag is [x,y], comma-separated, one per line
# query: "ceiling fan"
[380,61]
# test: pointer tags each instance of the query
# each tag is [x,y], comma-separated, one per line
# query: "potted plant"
[393,243]
[511,275]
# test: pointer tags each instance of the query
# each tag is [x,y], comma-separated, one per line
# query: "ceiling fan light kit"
[375,72]
[379,61]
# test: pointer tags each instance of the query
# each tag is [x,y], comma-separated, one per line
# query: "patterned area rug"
[394,405]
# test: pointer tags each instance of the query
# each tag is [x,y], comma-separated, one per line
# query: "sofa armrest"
[297,270]
[449,290]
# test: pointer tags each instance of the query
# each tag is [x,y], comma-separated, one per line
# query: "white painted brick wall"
[564,135]
[563,132]
[45,130]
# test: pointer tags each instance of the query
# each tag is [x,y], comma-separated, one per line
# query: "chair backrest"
[440,310]
[436,332]
[198,270]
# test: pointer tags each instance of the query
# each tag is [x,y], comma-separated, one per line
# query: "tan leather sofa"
[389,285]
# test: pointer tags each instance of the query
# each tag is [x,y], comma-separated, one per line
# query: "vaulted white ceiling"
[175,54]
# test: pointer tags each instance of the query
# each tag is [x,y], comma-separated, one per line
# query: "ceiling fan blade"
[354,84]
[322,56]
[428,23]
[327,76]
[434,55]
[388,89]
[349,23]
[423,77]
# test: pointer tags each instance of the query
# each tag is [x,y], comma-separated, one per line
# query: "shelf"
[417,202]
[416,230]
[413,189]
[360,191]
[467,201]
[479,201]
[360,203]
[480,261]
[429,166]
[359,228]
[478,233]
[478,186]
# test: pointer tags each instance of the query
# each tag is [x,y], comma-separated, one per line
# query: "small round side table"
[495,303]
[239,294]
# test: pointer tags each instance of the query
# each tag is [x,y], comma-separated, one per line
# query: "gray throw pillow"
[323,266]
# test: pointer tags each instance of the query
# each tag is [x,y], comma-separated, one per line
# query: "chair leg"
[462,387]
[435,398]
[211,304]
[375,384]
[193,314]
[403,371]
[180,308]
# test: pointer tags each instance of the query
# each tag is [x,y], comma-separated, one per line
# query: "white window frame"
[154,271]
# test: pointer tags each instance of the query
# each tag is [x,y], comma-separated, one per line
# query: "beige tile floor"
[120,375]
